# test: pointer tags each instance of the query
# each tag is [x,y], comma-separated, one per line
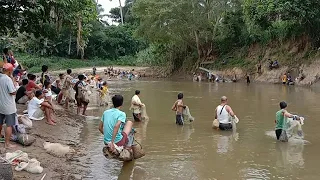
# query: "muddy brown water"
[197,151]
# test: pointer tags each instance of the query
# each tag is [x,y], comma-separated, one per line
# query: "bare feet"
[9,146]
[51,123]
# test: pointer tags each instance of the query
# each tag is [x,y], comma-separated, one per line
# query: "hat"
[8,66]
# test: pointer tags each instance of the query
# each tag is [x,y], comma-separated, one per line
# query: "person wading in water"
[281,122]
[223,113]
[178,106]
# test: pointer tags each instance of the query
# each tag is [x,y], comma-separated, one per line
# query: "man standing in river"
[178,106]
[136,106]
[223,112]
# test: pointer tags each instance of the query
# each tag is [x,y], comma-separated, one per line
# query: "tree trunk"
[69,50]
[121,13]
[198,44]
[79,36]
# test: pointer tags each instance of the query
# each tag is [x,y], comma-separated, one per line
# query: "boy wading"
[178,106]
[282,122]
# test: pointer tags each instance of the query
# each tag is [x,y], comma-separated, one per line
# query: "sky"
[107,5]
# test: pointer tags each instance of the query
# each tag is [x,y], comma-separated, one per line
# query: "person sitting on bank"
[281,121]
[22,96]
[275,64]
[32,86]
[136,106]
[178,107]
[223,112]
[114,127]
[38,108]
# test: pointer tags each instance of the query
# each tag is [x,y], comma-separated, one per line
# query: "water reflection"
[225,141]
[196,151]
[184,132]
[289,155]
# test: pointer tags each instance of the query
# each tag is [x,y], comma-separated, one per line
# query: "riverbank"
[311,74]
[67,132]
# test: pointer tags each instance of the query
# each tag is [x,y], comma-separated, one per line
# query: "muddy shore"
[66,132]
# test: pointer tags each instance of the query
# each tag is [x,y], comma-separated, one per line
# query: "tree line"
[155,31]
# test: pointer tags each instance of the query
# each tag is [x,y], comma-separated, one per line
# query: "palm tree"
[121,13]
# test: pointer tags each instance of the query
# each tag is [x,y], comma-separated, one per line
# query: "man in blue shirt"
[113,125]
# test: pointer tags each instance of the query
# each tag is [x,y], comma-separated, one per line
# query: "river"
[197,151]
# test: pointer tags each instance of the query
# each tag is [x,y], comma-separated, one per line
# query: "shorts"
[81,102]
[8,119]
[225,127]
[278,134]
[137,117]
[23,100]
[179,119]
[38,114]
[124,140]
[55,89]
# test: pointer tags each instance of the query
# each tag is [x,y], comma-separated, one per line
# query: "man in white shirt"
[136,106]
[223,112]
[8,108]
[38,108]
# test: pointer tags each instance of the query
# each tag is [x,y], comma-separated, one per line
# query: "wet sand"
[67,132]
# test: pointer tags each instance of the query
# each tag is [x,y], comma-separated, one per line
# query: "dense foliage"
[180,32]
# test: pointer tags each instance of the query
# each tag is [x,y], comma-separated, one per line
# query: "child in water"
[282,123]
[104,93]
[178,106]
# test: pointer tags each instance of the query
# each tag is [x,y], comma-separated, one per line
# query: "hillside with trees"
[177,34]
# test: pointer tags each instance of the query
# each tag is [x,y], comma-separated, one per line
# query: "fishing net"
[187,115]
[234,120]
[144,114]
[294,128]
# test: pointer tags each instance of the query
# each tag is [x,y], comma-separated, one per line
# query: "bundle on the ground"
[57,149]
[23,162]
[187,115]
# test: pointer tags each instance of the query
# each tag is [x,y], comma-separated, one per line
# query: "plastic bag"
[25,121]
[25,139]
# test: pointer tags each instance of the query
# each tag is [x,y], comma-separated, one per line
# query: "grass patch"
[34,63]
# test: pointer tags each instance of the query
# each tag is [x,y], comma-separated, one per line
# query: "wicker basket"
[5,170]
[138,152]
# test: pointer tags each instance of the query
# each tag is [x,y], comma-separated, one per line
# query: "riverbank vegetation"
[177,34]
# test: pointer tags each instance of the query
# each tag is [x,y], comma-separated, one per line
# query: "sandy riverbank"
[67,132]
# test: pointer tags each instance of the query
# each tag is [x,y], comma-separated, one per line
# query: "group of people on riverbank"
[39,93]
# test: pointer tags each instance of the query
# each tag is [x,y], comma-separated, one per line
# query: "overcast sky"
[107,5]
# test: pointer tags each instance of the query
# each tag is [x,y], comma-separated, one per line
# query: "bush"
[34,63]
